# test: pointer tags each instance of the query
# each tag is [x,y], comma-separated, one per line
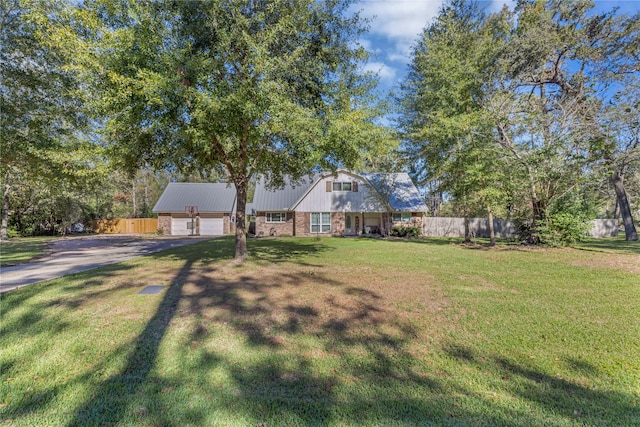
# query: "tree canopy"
[518,94]
[243,87]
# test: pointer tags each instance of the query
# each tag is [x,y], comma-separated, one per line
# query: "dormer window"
[342,186]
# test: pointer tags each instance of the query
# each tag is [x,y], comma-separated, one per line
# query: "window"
[342,186]
[276,217]
[402,217]
[320,222]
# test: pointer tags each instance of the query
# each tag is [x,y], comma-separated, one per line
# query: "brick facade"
[265,229]
[337,223]
[302,221]
[164,223]
[415,221]
[299,224]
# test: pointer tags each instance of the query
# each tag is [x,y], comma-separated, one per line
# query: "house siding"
[320,200]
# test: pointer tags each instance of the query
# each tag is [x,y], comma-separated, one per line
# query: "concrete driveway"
[74,254]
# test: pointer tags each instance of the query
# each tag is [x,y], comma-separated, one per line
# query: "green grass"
[21,249]
[354,332]
[611,245]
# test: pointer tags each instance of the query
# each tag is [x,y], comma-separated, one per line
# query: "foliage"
[423,332]
[40,119]
[405,231]
[228,88]
[564,228]
[19,250]
[504,110]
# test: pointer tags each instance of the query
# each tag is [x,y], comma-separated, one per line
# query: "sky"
[396,24]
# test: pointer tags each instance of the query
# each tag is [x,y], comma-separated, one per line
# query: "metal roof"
[219,197]
[281,199]
[398,190]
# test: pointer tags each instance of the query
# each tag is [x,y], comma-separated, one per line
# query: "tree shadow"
[569,399]
[341,356]
[610,245]
[111,402]
[284,250]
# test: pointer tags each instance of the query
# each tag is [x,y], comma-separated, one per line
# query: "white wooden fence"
[454,227]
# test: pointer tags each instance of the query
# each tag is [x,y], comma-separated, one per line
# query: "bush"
[563,228]
[12,232]
[405,231]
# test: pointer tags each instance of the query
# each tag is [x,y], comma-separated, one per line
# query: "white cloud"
[399,21]
[394,28]
[384,72]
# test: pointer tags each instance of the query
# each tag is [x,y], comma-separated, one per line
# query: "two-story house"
[341,203]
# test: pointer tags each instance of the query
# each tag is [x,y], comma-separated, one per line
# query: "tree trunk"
[467,230]
[625,209]
[133,198]
[241,235]
[5,208]
[492,232]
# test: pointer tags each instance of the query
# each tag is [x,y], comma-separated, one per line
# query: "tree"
[40,120]
[447,128]
[621,151]
[250,86]
[525,95]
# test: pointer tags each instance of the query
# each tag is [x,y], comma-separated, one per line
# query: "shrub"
[563,228]
[405,231]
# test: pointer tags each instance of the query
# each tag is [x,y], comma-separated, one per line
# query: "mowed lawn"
[344,332]
[19,250]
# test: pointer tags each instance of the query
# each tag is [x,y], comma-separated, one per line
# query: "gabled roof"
[281,199]
[207,197]
[397,189]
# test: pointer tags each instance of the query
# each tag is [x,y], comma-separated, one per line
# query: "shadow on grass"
[611,245]
[570,400]
[343,357]
[112,400]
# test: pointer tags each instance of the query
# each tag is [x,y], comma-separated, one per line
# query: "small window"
[402,217]
[276,217]
[342,186]
[320,222]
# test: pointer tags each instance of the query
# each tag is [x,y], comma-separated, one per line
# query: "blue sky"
[396,25]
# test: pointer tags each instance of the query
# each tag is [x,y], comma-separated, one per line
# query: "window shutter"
[329,185]
[354,186]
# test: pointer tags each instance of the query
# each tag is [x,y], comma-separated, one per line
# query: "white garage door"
[179,226]
[211,227]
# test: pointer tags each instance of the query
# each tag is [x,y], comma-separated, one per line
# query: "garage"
[211,226]
[212,203]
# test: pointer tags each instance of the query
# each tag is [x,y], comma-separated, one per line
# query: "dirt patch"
[630,263]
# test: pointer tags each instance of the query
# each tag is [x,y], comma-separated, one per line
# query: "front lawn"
[355,332]
[21,249]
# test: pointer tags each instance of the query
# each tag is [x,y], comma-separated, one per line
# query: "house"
[341,203]
[198,209]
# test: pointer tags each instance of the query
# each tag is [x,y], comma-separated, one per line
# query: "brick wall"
[337,223]
[226,225]
[164,222]
[264,228]
[302,220]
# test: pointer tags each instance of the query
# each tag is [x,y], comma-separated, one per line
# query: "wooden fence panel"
[125,225]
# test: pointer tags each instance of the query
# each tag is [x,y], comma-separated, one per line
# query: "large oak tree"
[245,87]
